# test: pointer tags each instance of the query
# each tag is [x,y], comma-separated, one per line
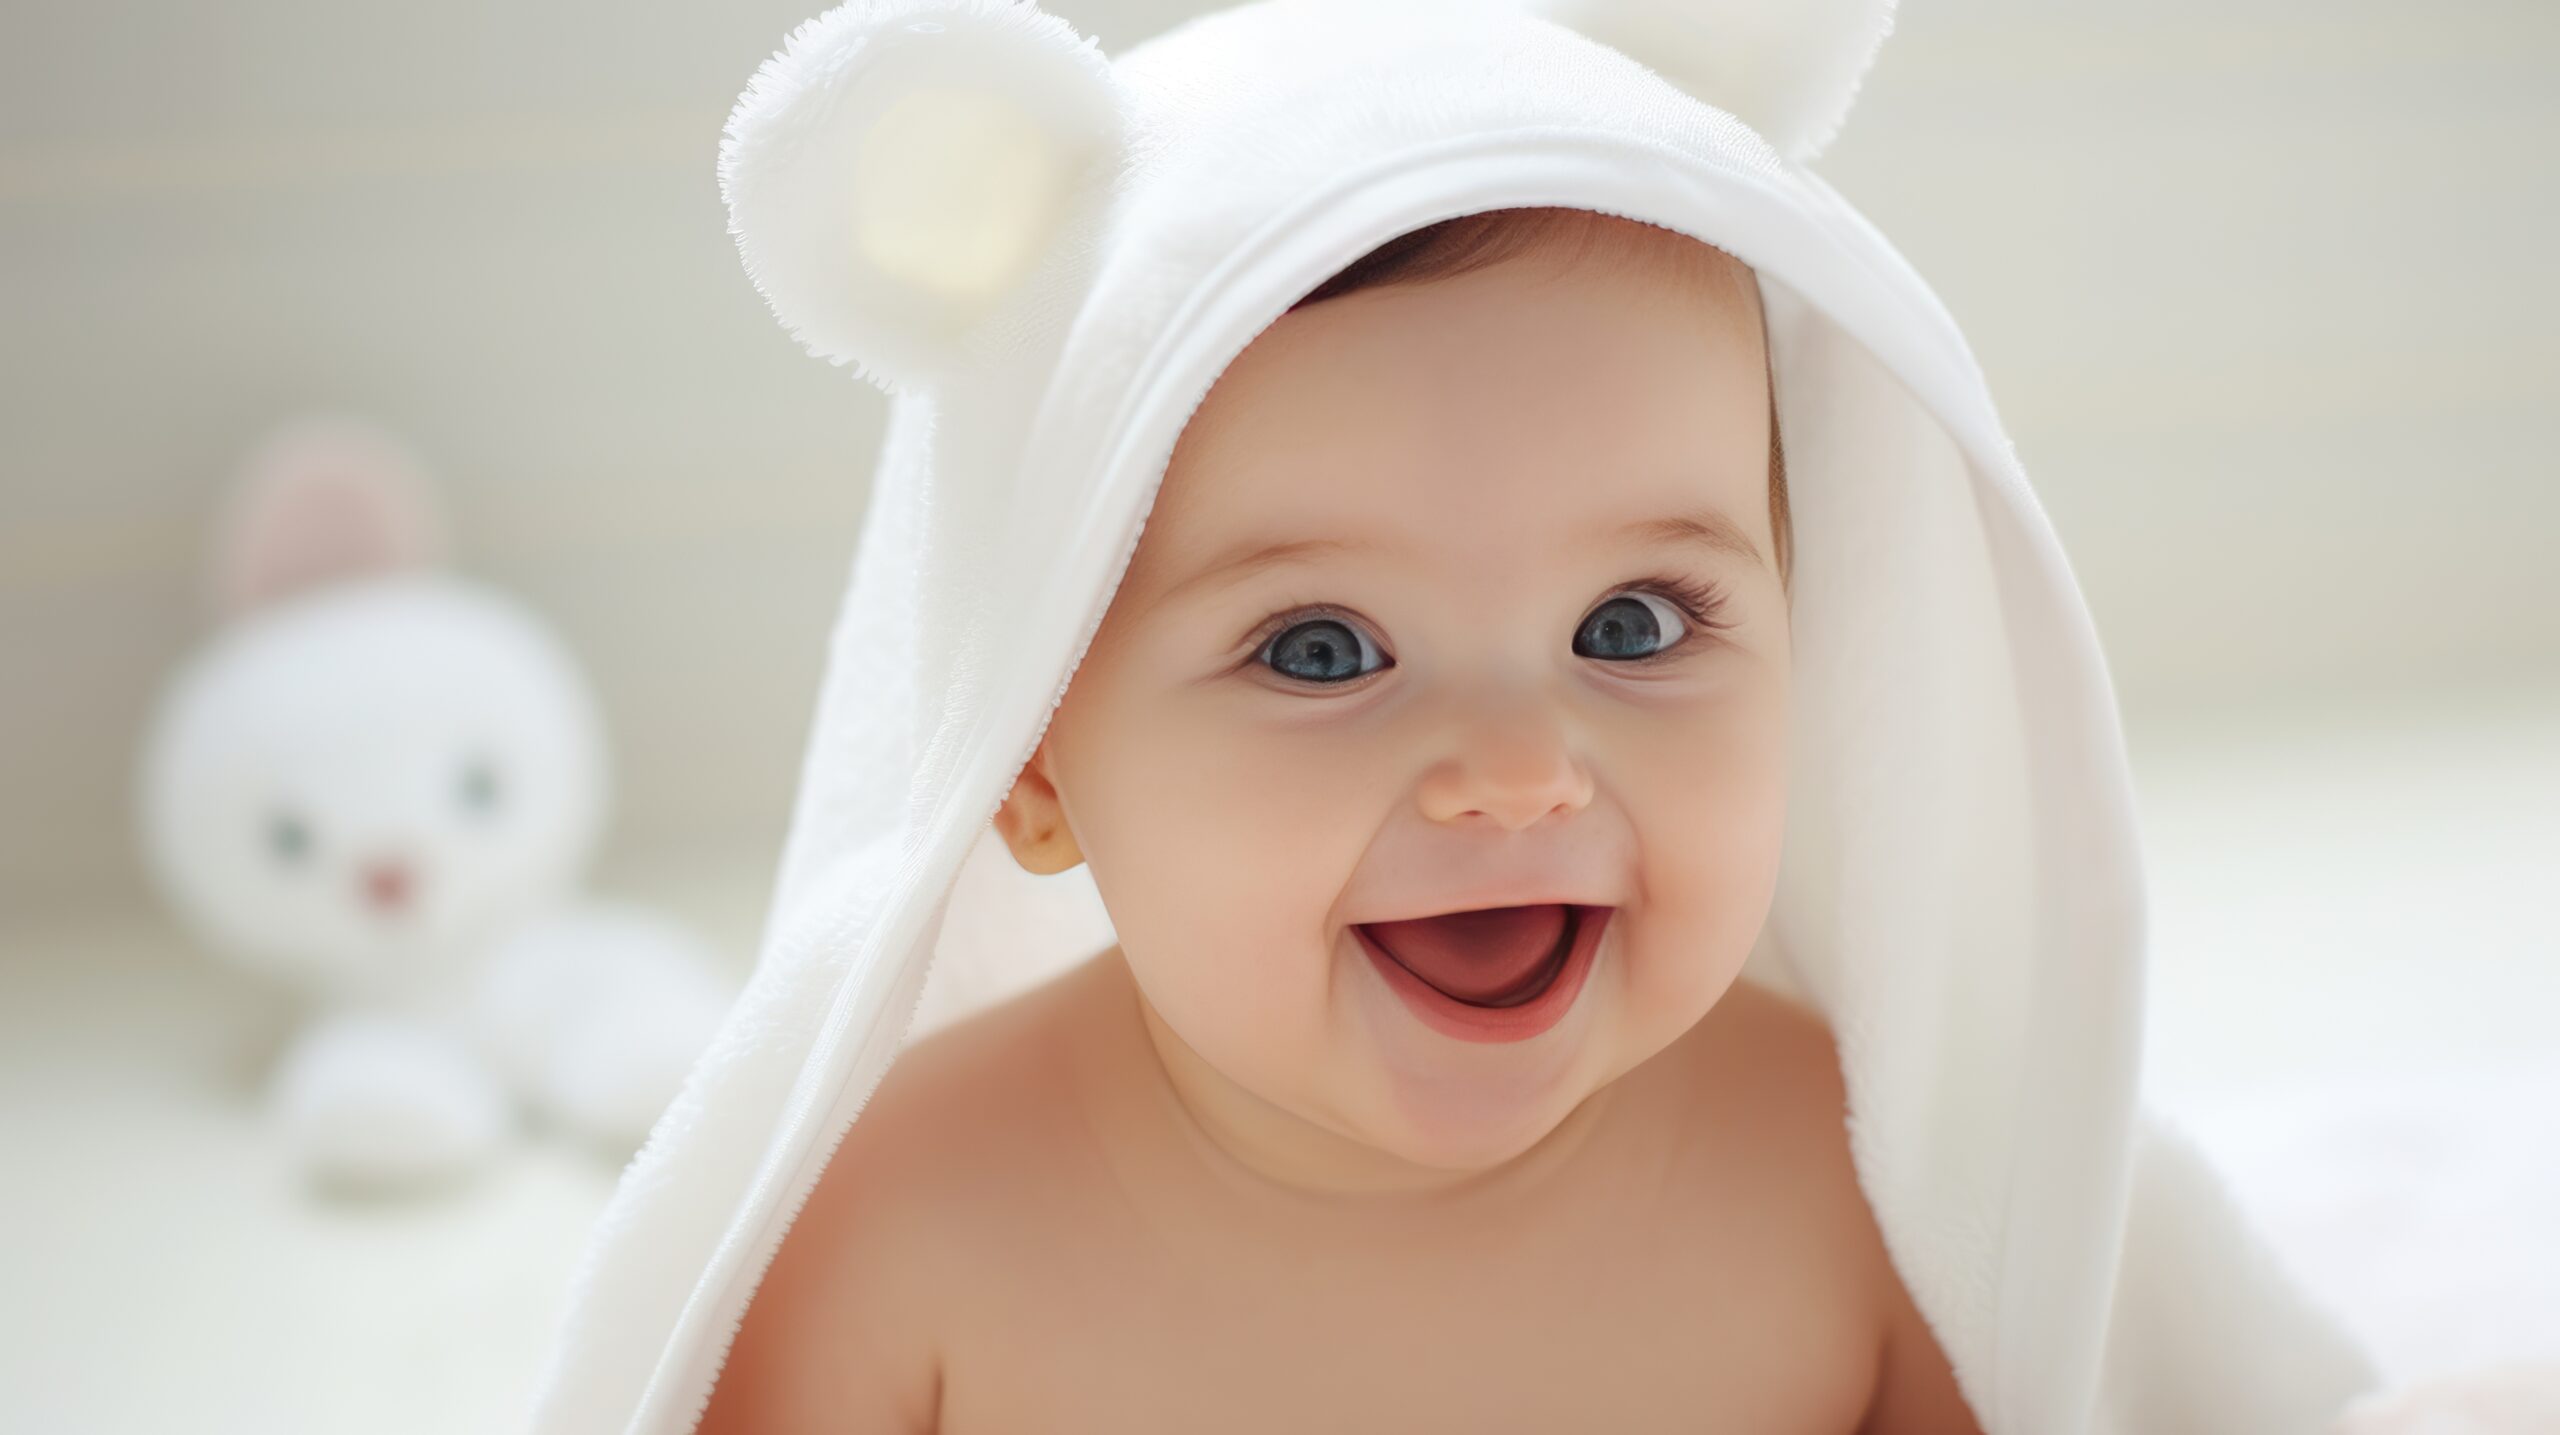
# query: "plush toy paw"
[373,1102]
[596,1012]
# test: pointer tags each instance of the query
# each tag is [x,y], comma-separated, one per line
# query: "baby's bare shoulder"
[1770,1069]
[846,1329]
[1766,1144]
[1791,1117]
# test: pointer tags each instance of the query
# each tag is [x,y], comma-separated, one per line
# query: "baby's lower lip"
[1466,1022]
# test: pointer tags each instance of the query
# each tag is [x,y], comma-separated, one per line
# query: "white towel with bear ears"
[1046,257]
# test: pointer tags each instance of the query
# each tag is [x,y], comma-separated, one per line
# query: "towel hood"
[1044,257]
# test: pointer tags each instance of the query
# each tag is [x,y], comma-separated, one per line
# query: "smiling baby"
[1432,762]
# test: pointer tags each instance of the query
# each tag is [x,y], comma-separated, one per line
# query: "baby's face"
[1476,671]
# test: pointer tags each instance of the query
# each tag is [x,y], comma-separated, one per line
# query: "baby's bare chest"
[1646,1311]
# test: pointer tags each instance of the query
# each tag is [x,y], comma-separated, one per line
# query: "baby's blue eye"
[1325,648]
[1625,622]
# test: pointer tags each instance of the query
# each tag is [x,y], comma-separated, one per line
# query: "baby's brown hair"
[1471,241]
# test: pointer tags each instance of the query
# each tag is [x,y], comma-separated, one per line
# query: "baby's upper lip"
[1576,869]
[1482,899]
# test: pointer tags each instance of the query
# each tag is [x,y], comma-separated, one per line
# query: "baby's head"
[1527,643]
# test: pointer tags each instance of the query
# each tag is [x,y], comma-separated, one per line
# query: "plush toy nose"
[388,886]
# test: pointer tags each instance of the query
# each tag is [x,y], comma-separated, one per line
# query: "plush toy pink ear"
[895,173]
[1787,68]
[321,500]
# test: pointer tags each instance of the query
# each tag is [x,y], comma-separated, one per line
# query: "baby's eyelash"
[1291,614]
[1702,604]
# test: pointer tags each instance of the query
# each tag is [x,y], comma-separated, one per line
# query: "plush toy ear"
[899,167]
[1787,68]
[322,499]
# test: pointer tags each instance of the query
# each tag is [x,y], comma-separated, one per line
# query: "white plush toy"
[381,783]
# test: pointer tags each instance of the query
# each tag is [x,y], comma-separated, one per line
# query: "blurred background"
[2263,290]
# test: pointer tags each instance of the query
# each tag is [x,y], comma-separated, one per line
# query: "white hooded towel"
[1046,257]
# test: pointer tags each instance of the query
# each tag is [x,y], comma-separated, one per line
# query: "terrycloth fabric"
[1047,258]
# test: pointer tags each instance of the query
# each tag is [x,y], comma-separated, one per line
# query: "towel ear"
[1787,68]
[895,171]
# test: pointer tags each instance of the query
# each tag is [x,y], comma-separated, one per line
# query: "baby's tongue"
[1482,956]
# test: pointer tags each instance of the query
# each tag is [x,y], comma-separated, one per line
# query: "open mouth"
[1497,974]
[1491,957]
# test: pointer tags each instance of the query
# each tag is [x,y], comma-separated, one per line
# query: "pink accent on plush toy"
[322,500]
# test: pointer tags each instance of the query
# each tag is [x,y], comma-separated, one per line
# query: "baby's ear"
[1787,68]
[898,169]
[1033,822]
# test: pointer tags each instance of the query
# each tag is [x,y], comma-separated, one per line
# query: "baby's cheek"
[1714,817]
[1239,852]
[1710,829]
[1276,819]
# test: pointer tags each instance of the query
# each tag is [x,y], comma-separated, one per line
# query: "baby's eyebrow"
[1244,559]
[1710,528]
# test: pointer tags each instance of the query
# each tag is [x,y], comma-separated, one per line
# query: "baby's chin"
[1456,1098]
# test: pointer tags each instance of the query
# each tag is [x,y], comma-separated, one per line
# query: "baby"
[1432,763]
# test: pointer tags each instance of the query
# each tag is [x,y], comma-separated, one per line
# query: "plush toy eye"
[478,788]
[288,837]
